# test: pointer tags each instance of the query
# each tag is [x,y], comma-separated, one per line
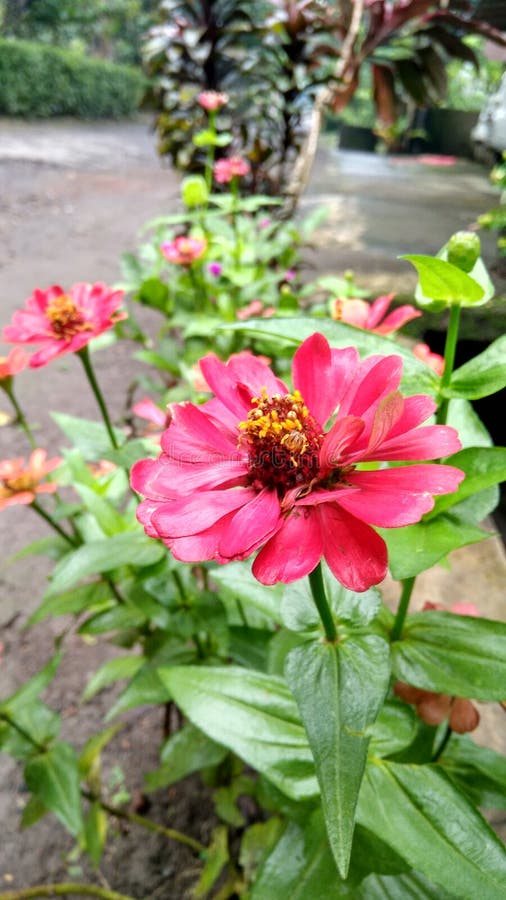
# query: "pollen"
[283,440]
[65,317]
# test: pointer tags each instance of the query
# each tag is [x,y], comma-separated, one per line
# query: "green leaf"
[408,886]
[422,816]
[443,282]
[89,597]
[91,438]
[258,841]
[478,771]
[415,548]
[483,375]
[217,856]
[446,653]
[111,671]
[417,377]
[89,758]
[32,688]
[32,812]
[154,293]
[106,516]
[252,714]
[146,687]
[394,730]
[53,777]
[484,467]
[339,691]
[130,549]
[299,613]
[186,751]
[472,432]
[95,832]
[236,583]
[250,646]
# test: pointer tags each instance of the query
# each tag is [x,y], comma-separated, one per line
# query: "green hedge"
[41,81]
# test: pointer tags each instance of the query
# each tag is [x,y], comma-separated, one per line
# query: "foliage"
[279,688]
[41,81]
[495,218]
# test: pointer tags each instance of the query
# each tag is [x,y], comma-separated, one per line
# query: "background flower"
[20,482]
[372,316]
[212,100]
[64,322]
[183,251]
[233,167]
[254,469]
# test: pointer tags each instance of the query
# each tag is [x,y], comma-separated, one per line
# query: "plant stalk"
[450,348]
[86,361]
[21,417]
[407,589]
[54,525]
[320,599]
[65,888]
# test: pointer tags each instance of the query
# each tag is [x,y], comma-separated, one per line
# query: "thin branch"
[70,887]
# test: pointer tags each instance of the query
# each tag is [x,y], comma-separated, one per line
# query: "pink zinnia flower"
[255,308]
[254,467]
[19,483]
[160,419]
[212,100]
[434,360]
[183,251]
[14,362]
[64,322]
[233,167]
[371,316]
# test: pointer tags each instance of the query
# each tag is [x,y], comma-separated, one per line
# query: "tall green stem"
[54,525]
[450,348]
[210,151]
[407,589]
[85,359]
[320,599]
[64,889]
[199,289]
[21,418]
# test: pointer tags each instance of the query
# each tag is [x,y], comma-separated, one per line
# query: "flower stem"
[21,418]
[210,151]
[69,887]
[199,290]
[54,525]
[442,746]
[407,589]
[85,359]
[450,348]
[320,599]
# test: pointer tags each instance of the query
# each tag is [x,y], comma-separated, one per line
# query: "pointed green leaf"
[484,467]
[130,549]
[420,814]
[440,281]
[89,597]
[339,690]
[95,832]
[415,548]
[91,438]
[252,714]
[236,583]
[217,856]
[89,758]
[186,751]
[483,375]
[479,771]
[111,671]
[53,777]
[459,655]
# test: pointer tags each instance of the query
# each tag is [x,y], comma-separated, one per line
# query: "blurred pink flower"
[64,322]
[14,362]
[233,167]
[212,100]
[183,251]
[255,308]
[434,360]
[372,316]
[253,468]
[215,268]
[148,410]
[20,482]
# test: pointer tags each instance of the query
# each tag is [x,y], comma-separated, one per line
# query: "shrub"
[41,81]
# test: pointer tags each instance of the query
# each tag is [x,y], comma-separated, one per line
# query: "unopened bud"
[463,250]
[194,191]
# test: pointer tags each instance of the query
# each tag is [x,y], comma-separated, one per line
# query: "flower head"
[211,101]
[233,167]
[20,482]
[11,365]
[261,467]
[434,360]
[64,322]
[372,316]
[183,251]
[215,268]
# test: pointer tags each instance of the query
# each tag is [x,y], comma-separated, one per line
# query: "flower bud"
[463,250]
[194,191]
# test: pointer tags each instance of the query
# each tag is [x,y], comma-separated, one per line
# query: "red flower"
[254,467]
[10,365]
[371,316]
[212,100]
[233,167]
[183,251]
[64,322]
[19,483]
[434,360]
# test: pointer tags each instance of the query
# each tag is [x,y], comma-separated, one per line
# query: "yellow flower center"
[17,485]
[283,441]
[65,318]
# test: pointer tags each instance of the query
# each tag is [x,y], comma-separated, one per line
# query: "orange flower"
[19,483]
[10,365]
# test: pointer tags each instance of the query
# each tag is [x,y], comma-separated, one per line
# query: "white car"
[489,133]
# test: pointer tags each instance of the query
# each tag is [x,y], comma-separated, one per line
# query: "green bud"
[194,191]
[464,250]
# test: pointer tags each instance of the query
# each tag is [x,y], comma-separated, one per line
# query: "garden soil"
[72,198]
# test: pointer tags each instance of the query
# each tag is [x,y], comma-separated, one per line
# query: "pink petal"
[201,546]
[354,552]
[147,409]
[144,513]
[378,309]
[376,377]
[427,442]
[397,319]
[387,414]
[341,436]
[193,513]
[46,354]
[417,409]
[294,551]
[251,526]
[322,375]
[193,437]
